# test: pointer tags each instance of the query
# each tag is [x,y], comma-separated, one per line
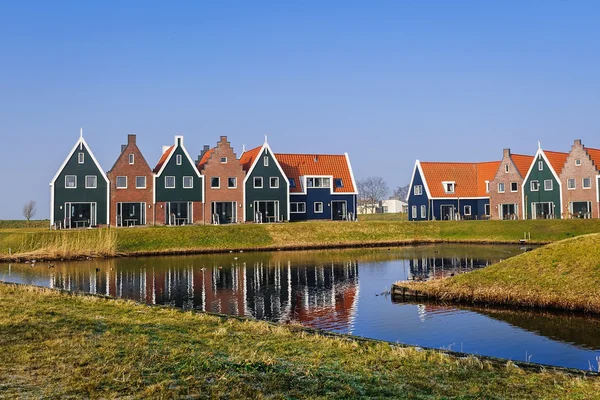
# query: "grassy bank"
[19,223]
[161,240]
[59,345]
[563,275]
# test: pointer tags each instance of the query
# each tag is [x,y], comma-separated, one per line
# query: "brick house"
[131,187]
[579,179]
[224,189]
[505,189]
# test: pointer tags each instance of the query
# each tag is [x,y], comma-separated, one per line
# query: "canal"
[343,291]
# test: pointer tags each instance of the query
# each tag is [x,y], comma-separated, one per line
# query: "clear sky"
[386,81]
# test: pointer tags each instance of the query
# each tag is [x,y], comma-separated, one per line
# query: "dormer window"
[506,168]
[578,163]
[178,159]
[292,182]
[80,158]
[338,183]
[131,159]
[449,187]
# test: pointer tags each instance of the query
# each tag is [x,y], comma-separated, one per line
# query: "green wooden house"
[79,195]
[178,187]
[266,188]
[542,192]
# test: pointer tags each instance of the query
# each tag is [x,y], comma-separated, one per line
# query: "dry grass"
[56,345]
[563,275]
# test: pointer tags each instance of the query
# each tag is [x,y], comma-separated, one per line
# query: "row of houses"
[548,184]
[216,188]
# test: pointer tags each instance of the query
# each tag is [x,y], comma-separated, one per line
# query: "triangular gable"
[534,163]
[73,150]
[169,154]
[264,147]
[423,179]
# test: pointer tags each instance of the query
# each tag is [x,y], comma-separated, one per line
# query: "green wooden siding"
[266,193]
[179,193]
[80,194]
[542,195]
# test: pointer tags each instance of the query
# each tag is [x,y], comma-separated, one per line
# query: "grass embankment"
[194,239]
[19,223]
[60,345]
[563,275]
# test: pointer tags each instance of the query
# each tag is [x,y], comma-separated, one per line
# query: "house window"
[548,184]
[501,187]
[506,168]
[215,182]
[414,212]
[80,158]
[540,165]
[587,183]
[121,182]
[131,157]
[448,187]
[338,183]
[487,186]
[258,182]
[534,186]
[578,163]
[274,182]
[318,207]
[514,187]
[486,209]
[292,182]
[140,182]
[423,211]
[318,182]
[71,181]
[418,190]
[232,182]
[571,183]
[169,182]
[297,208]
[223,160]
[467,210]
[326,182]
[91,181]
[188,182]
[266,161]
[178,159]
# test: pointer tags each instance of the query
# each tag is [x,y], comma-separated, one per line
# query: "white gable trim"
[525,180]
[351,175]
[64,164]
[412,179]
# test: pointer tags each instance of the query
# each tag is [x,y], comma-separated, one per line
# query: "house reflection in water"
[323,296]
[428,267]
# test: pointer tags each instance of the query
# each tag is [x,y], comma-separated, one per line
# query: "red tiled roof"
[205,159]
[595,156]
[469,177]
[522,162]
[557,160]
[248,157]
[163,158]
[297,165]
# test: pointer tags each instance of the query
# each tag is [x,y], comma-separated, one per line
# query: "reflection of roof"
[297,165]
[469,178]
[595,156]
[205,158]
[248,157]
[522,162]
[163,159]
[332,316]
[557,160]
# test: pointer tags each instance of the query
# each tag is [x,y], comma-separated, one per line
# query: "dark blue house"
[450,191]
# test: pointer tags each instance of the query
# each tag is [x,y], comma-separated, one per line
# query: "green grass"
[19,223]
[156,240]
[562,275]
[55,345]
[383,217]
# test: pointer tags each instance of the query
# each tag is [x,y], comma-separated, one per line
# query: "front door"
[508,211]
[542,210]
[338,210]
[447,212]
[80,215]
[266,211]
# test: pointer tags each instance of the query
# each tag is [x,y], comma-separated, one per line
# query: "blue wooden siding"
[419,200]
[325,196]
[477,207]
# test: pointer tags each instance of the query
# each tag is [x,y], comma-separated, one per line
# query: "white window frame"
[178,160]
[487,186]
[191,180]
[569,181]
[546,181]
[418,190]
[531,188]
[423,211]
[117,182]
[465,208]
[583,183]
[223,160]
[511,187]
[81,157]
[487,209]
[266,161]
[276,181]
[506,168]
[136,182]
[578,163]
[503,185]
[75,182]
[297,204]
[414,212]
[218,178]
[315,207]
[234,182]
[255,180]
[174,182]
[540,165]
[95,182]
[131,159]
[446,184]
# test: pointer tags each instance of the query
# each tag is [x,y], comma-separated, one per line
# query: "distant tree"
[29,210]
[371,191]
[401,192]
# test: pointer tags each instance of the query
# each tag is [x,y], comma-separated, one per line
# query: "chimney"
[506,153]
[224,139]
[316,158]
[123,147]
[131,138]
[577,142]
[205,148]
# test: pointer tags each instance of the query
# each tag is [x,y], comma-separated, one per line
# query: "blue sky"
[387,82]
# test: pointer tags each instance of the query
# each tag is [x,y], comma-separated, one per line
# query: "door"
[266,211]
[223,212]
[508,211]
[338,210]
[543,210]
[447,212]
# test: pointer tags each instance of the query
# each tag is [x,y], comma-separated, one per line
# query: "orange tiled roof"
[163,158]
[595,156]
[522,162]
[469,177]
[557,160]
[297,165]
[248,157]
[205,158]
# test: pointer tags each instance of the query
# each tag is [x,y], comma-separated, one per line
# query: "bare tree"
[371,191]
[29,210]
[401,192]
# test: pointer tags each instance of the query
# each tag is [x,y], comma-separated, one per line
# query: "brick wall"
[508,197]
[585,170]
